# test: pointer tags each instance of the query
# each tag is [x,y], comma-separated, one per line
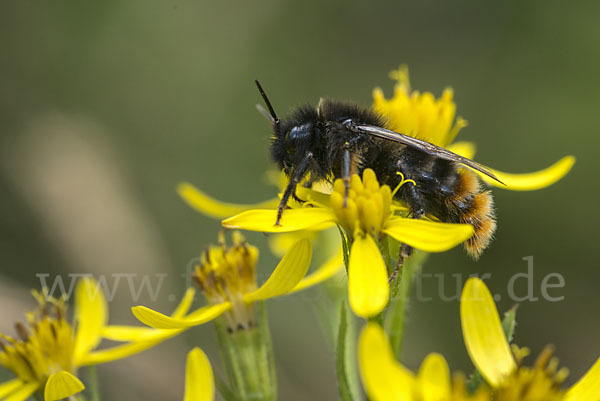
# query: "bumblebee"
[339,139]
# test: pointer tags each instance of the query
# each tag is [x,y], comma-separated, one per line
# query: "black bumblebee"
[341,139]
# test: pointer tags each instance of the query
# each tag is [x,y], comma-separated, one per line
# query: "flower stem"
[94,389]
[401,294]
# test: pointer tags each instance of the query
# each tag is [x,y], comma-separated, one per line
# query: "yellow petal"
[91,314]
[434,378]
[465,149]
[426,235]
[292,220]
[588,387]
[128,333]
[214,208]
[135,333]
[383,378]
[368,287]
[126,350]
[62,385]
[10,386]
[160,321]
[483,334]
[323,273]
[532,181]
[185,304]
[23,392]
[318,194]
[199,381]
[279,244]
[288,273]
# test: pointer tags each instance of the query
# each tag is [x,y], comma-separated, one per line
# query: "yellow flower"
[199,380]
[49,350]
[211,207]
[226,276]
[385,379]
[369,213]
[490,352]
[433,120]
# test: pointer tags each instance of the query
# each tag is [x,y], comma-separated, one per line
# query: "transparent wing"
[423,146]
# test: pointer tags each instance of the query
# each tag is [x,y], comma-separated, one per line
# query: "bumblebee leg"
[296,198]
[308,183]
[417,210]
[405,252]
[346,174]
[350,165]
[290,190]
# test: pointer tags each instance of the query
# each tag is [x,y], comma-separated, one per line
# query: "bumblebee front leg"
[290,190]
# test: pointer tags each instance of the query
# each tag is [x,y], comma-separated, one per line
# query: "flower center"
[44,346]
[225,274]
[367,207]
[538,383]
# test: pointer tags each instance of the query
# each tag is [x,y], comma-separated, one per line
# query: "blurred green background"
[105,106]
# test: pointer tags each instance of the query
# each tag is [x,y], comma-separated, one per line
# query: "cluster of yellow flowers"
[49,350]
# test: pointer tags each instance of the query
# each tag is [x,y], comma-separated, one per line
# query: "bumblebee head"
[293,137]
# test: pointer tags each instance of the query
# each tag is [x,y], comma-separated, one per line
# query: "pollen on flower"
[368,204]
[538,383]
[45,345]
[225,274]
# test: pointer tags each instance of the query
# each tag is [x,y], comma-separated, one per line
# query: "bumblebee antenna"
[266,99]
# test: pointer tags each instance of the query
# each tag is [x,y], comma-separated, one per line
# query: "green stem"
[401,294]
[384,246]
[345,248]
[94,388]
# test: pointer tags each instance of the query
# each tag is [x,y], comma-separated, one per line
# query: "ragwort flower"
[368,215]
[49,350]
[385,379]
[491,353]
[227,278]
[509,380]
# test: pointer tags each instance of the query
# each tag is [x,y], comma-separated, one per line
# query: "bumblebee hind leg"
[416,206]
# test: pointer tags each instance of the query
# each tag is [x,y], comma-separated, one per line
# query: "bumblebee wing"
[424,146]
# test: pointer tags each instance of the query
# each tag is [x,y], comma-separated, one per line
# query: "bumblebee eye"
[300,131]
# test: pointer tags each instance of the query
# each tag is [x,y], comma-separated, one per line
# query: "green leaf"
[509,323]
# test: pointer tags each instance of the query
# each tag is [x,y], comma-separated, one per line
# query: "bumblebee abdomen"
[468,204]
[450,193]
